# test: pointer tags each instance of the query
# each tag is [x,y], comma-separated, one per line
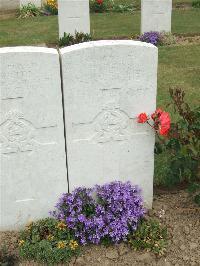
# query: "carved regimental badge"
[110,124]
[17,134]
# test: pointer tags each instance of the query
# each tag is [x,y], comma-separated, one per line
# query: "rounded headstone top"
[104,43]
[28,49]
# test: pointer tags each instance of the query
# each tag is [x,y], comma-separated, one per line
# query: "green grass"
[179,66]
[138,2]
[45,29]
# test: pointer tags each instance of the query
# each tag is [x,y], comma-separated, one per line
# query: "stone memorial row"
[74,16]
[106,84]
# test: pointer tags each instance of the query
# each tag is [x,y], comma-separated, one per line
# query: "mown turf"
[179,66]
[108,25]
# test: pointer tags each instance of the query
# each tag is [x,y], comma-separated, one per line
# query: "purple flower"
[113,213]
[152,37]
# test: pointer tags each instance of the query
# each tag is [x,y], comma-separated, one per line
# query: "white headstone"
[156,15]
[73,15]
[106,85]
[37,3]
[32,146]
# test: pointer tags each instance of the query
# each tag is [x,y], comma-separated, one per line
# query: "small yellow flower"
[21,242]
[61,244]
[52,3]
[73,244]
[29,224]
[61,226]
[50,237]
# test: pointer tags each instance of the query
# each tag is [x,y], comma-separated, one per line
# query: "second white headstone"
[156,15]
[73,16]
[106,85]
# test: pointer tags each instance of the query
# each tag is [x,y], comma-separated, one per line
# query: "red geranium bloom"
[164,125]
[100,2]
[142,118]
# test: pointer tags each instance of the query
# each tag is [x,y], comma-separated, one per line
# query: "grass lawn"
[138,2]
[45,29]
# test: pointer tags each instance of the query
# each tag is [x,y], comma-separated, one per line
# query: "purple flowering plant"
[103,213]
[152,37]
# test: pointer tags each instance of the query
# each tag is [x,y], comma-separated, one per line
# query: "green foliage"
[69,39]
[28,11]
[100,6]
[48,241]
[150,235]
[183,143]
[194,191]
[121,8]
[196,3]
[6,259]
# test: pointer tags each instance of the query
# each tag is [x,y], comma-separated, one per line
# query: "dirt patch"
[183,40]
[174,209]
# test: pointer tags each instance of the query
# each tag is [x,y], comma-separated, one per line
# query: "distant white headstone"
[73,15]
[32,146]
[106,85]
[37,3]
[156,15]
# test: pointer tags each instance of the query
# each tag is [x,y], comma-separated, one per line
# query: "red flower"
[157,114]
[142,118]
[100,2]
[164,125]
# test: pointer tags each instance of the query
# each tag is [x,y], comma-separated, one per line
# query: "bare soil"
[174,209]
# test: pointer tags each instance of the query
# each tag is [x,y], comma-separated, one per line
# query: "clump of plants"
[48,241]
[196,3]
[100,6]
[103,214]
[152,37]
[51,7]
[69,39]
[151,236]
[28,11]
[158,38]
[183,143]
[121,8]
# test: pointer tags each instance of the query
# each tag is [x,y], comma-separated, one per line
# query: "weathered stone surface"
[73,15]
[156,15]
[106,85]
[32,149]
